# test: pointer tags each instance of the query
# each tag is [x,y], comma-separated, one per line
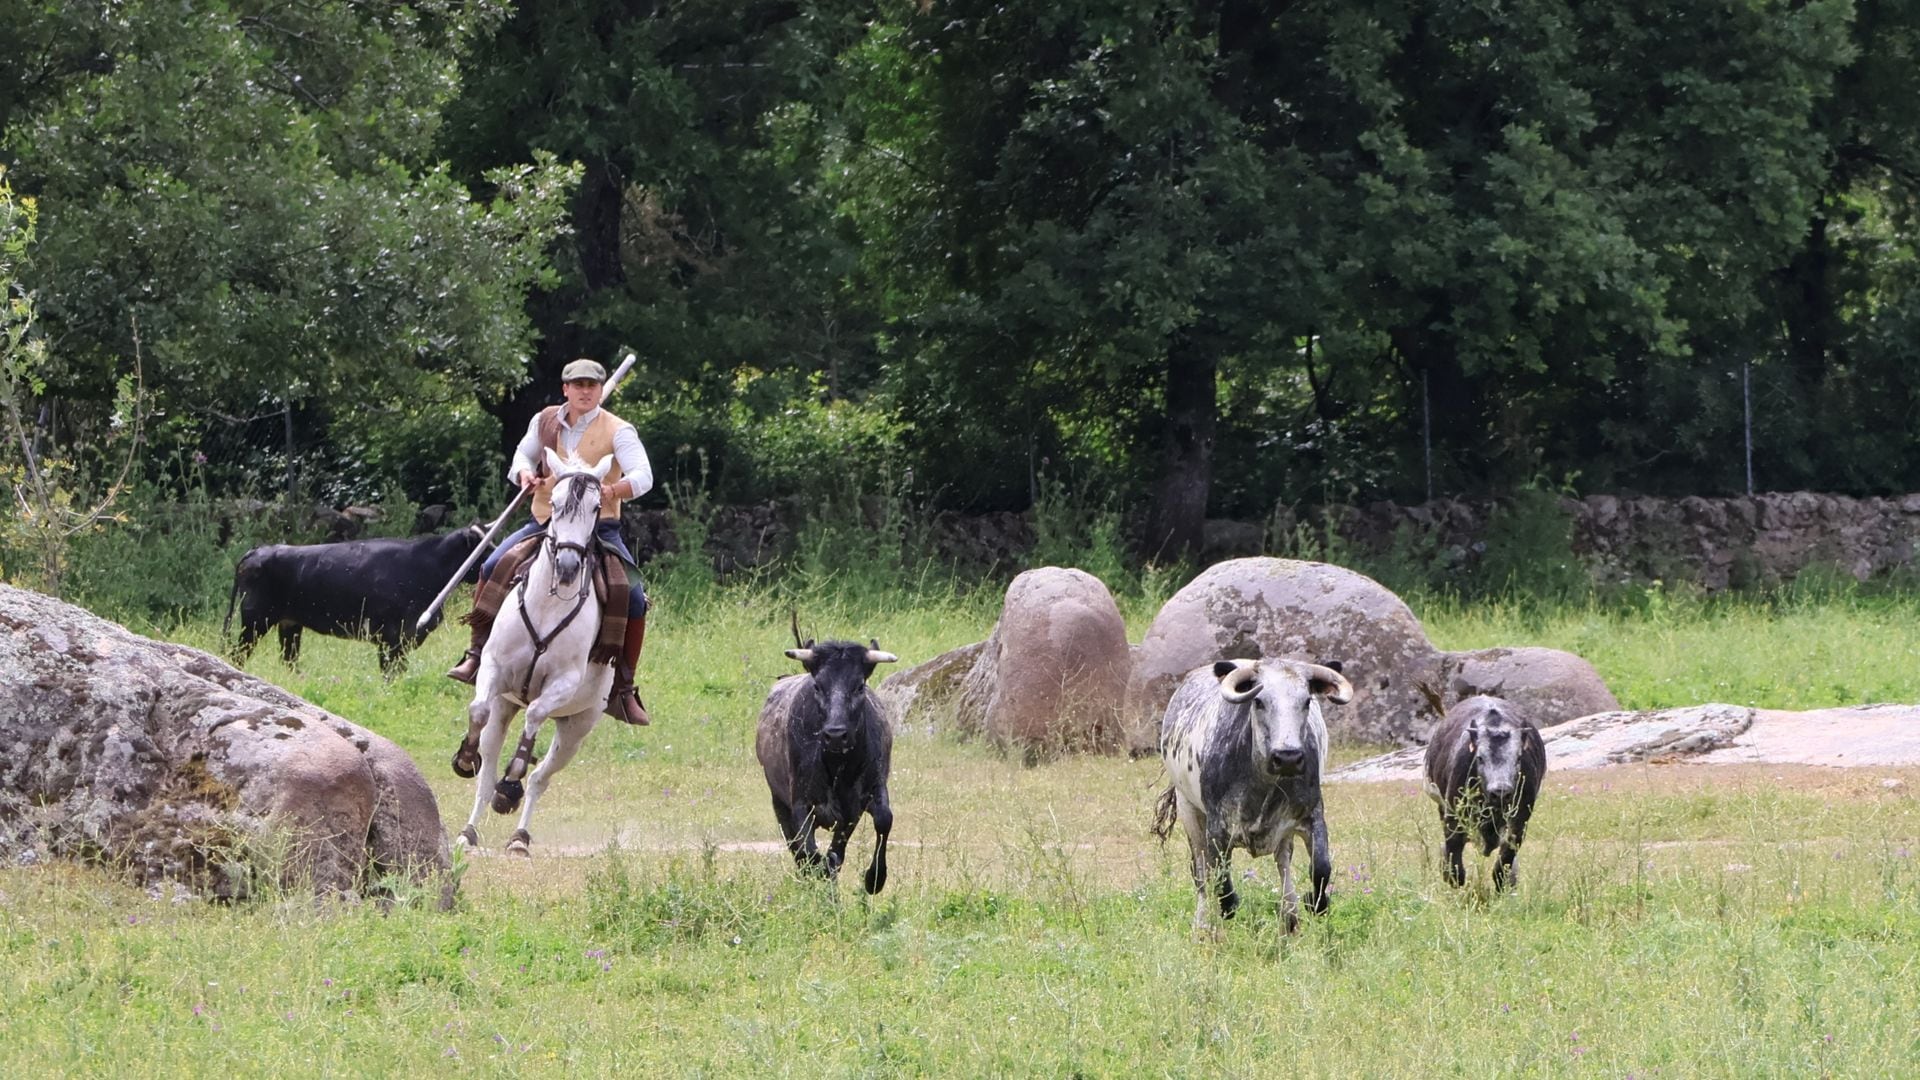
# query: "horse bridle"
[554,548]
[540,644]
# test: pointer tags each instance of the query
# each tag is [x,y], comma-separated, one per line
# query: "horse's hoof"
[466,766]
[507,795]
[469,838]
[519,846]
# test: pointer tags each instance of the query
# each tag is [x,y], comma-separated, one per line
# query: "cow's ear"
[1239,679]
[1327,682]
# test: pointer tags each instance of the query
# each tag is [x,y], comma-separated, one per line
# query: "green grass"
[1670,921]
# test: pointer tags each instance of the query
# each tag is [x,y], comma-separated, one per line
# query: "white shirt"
[635,469]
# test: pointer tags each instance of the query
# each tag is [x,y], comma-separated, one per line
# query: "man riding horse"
[583,429]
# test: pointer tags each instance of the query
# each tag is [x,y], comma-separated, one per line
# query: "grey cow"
[1485,763]
[1245,744]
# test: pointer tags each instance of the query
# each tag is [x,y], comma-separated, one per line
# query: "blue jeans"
[607,532]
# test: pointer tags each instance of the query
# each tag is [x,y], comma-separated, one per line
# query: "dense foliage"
[1183,258]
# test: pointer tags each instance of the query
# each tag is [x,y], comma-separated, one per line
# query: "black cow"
[1485,763]
[361,588]
[826,747]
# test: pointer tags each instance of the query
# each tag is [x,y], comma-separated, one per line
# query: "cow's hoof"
[469,838]
[507,795]
[519,846]
[876,879]
[1317,903]
[466,763]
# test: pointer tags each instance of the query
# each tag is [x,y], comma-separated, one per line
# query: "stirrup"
[468,669]
[618,709]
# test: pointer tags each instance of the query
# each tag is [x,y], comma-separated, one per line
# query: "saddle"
[609,579]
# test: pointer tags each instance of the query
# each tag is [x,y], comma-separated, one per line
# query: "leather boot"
[623,703]
[468,669]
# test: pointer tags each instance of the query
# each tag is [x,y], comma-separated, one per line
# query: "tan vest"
[595,443]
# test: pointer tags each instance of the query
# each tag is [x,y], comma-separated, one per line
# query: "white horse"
[536,659]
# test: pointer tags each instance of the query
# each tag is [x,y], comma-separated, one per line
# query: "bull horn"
[805,656]
[1230,674]
[1329,683]
[875,656]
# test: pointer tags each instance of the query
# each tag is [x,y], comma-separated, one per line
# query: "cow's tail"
[239,572]
[1164,814]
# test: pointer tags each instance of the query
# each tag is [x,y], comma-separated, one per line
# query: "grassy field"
[1671,921]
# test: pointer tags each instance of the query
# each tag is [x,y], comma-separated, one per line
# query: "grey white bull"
[1245,744]
[1485,764]
[536,659]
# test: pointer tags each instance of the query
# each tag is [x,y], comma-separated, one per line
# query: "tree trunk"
[596,238]
[1807,303]
[1178,519]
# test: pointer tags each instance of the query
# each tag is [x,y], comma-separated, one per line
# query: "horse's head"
[576,510]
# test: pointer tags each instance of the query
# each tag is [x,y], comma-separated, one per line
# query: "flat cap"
[583,369]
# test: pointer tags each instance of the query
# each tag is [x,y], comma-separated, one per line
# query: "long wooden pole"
[480,549]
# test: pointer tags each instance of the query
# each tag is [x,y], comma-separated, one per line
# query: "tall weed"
[1071,530]
[1529,551]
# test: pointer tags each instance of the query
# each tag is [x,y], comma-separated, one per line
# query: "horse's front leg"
[569,732]
[510,790]
[486,732]
[466,758]
[557,693]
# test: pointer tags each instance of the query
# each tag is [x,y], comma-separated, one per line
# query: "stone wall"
[1713,542]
